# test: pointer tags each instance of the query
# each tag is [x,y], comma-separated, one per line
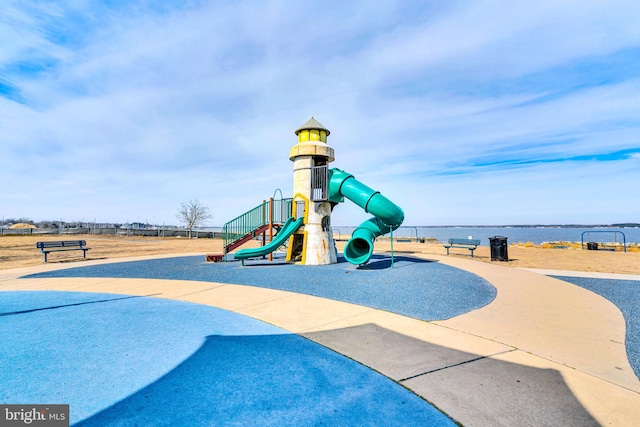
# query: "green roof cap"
[312,124]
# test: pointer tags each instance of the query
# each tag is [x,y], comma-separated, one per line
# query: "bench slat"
[475,242]
[61,243]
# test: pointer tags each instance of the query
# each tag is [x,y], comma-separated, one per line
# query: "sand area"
[21,251]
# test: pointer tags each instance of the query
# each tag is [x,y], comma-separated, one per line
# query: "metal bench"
[63,245]
[470,244]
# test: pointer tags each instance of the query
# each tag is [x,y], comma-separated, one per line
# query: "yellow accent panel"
[296,197]
[306,206]
[303,136]
[314,135]
[303,257]
[323,135]
[303,261]
[290,247]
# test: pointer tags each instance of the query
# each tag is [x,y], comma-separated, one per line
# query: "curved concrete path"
[544,352]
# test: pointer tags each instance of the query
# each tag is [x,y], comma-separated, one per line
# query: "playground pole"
[271,226]
[271,218]
[264,233]
[392,265]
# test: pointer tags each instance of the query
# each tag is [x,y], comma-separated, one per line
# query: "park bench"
[470,244]
[63,245]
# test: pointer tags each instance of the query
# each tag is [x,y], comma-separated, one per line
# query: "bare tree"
[193,213]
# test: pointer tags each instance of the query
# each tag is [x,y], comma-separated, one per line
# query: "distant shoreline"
[626,225]
[91,225]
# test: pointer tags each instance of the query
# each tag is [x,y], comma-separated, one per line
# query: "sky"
[461,112]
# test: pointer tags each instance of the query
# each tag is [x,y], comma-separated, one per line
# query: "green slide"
[289,227]
[387,216]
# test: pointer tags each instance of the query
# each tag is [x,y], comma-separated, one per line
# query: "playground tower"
[312,244]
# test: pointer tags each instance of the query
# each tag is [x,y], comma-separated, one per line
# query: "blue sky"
[468,113]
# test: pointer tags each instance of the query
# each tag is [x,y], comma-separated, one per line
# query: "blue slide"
[289,227]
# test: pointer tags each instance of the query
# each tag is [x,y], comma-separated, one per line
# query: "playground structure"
[303,222]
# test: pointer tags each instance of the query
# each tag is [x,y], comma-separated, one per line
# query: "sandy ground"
[21,251]
[537,257]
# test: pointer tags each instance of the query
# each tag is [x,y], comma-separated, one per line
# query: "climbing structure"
[305,224]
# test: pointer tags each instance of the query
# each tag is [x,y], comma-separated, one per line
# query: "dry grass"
[21,251]
[532,256]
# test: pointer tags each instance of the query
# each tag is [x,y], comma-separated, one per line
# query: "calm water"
[533,235]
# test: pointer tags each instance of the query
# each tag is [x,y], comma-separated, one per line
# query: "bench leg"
[45,256]
[447,251]
[471,252]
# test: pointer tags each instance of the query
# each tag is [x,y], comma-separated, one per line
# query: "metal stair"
[254,222]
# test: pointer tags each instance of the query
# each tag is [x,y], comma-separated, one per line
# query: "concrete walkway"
[544,352]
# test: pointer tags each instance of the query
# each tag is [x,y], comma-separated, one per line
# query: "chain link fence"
[115,231]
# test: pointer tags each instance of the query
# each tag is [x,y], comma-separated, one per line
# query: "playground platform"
[541,352]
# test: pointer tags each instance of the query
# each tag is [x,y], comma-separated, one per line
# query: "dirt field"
[21,251]
[538,257]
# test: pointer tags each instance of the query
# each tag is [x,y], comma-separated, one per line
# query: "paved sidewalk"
[544,352]
[586,274]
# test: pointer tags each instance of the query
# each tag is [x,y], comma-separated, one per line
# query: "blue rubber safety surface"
[416,287]
[625,294]
[129,360]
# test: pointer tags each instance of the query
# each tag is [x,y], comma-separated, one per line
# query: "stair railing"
[255,218]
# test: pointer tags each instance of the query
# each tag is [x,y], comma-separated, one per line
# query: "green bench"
[470,244]
[63,245]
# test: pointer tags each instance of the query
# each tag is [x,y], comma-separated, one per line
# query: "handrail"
[249,221]
[277,190]
[243,224]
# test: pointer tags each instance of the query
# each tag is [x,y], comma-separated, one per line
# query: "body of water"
[535,235]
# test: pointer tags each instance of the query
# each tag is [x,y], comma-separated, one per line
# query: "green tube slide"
[289,227]
[387,216]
